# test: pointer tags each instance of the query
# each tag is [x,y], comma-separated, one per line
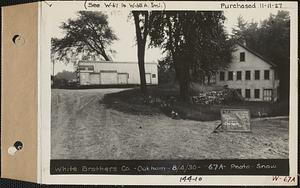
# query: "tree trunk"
[53,67]
[141,35]
[184,90]
[208,79]
[141,63]
[182,74]
[105,56]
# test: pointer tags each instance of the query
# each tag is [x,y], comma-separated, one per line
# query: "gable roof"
[258,55]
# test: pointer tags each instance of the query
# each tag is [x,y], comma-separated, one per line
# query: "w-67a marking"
[287,179]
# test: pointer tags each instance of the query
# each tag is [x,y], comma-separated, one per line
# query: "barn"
[114,73]
[253,76]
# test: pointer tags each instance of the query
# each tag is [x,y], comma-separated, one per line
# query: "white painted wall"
[131,68]
[251,63]
[84,78]
[108,78]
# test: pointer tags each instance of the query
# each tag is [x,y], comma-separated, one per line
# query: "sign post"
[234,120]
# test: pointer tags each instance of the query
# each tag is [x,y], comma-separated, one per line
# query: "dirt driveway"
[82,128]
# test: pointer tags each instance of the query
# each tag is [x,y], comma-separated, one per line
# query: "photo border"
[45,118]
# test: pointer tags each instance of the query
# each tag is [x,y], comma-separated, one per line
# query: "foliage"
[124,102]
[195,41]
[271,39]
[67,75]
[89,32]
[166,73]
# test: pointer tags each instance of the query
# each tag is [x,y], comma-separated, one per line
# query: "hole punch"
[18,40]
[18,145]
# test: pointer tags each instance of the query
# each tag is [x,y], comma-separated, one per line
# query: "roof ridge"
[257,54]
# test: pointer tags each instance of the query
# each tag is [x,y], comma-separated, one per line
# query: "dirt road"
[82,128]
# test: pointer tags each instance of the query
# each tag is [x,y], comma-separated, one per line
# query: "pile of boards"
[217,97]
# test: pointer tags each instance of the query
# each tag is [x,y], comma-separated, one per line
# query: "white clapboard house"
[254,77]
[114,73]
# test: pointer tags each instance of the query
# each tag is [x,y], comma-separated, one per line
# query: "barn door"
[108,78]
[268,95]
[84,78]
[94,78]
[122,78]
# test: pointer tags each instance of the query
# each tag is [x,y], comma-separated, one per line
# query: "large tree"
[195,41]
[270,38]
[89,32]
[141,21]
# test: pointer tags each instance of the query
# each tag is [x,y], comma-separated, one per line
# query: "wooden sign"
[235,120]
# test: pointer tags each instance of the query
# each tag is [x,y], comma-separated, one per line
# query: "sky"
[124,28]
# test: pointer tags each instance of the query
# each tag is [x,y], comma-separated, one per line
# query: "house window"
[248,75]
[239,91]
[239,75]
[242,56]
[247,93]
[256,93]
[257,75]
[268,94]
[153,75]
[213,79]
[222,76]
[267,74]
[230,75]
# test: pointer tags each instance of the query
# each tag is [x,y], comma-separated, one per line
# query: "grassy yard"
[134,102]
[82,127]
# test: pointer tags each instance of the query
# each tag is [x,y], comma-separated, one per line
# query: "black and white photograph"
[167,105]
[164,84]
